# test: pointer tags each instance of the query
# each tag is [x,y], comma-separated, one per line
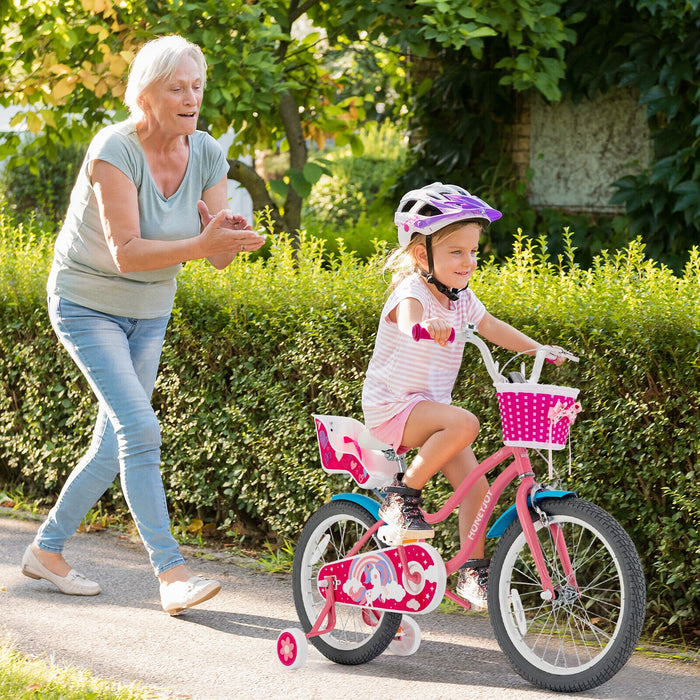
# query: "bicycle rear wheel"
[360,634]
[585,635]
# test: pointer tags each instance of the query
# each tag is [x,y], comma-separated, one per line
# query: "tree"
[464,122]
[653,46]
[66,62]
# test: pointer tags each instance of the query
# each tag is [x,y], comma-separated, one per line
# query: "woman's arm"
[117,200]
[216,199]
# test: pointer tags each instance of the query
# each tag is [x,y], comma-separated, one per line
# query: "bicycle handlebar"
[469,334]
[420,333]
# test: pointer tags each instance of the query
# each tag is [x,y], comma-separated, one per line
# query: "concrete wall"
[576,151]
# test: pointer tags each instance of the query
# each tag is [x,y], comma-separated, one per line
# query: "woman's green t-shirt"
[83,269]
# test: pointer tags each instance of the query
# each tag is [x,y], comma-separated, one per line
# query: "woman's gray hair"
[158,60]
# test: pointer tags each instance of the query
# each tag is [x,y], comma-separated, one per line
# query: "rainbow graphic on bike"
[376,579]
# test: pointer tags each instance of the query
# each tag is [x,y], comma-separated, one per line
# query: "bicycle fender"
[499,527]
[369,504]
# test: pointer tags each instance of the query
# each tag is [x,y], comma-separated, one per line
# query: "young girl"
[406,397]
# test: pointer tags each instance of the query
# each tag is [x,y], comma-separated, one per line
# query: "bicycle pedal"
[391,536]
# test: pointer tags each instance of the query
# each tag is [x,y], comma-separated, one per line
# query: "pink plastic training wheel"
[407,639]
[292,648]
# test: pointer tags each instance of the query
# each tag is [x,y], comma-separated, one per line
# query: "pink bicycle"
[566,593]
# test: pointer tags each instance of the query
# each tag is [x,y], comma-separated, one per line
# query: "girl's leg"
[444,434]
[456,471]
[119,357]
[472,582]
[441,432]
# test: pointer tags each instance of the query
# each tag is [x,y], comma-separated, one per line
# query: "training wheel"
[292,648]
[407,638]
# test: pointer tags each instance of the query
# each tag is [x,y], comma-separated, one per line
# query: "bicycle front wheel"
[588,631]
[360,634]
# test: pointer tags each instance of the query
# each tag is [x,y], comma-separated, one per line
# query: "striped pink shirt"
[402,371]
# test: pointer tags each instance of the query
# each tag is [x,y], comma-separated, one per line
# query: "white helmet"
[432,207]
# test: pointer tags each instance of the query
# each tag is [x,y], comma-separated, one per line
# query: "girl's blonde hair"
[402,261]
[158,60]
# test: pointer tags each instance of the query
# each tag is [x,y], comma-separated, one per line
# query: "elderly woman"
[140,207]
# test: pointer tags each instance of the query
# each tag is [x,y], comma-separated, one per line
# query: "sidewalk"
[225,648]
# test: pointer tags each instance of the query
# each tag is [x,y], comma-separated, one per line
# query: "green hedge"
[253,351]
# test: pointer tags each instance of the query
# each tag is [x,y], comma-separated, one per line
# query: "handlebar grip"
[420,333]
[560,352]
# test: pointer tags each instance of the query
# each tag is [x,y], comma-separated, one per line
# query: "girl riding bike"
[406,396]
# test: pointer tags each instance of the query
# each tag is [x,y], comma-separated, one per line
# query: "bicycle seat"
[369,442]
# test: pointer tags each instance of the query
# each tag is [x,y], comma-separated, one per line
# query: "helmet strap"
[450,292]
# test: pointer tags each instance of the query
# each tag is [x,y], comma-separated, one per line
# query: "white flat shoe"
[177,596]
[72,583]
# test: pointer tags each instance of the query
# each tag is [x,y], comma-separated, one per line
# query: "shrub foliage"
[254,350]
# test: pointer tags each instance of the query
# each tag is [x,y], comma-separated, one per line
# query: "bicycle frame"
[519,468]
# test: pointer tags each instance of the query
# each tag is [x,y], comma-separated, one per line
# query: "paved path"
[225,648]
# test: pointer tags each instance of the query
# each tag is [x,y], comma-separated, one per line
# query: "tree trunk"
[257,189]
[289,220]
[298,154]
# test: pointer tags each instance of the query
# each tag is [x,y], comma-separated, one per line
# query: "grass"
[276,559]
[24,678]
[15,500]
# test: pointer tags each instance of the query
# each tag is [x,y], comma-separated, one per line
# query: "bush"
[39,184]
[352,207]
[254,350]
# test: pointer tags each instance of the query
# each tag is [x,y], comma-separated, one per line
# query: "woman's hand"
[226,233]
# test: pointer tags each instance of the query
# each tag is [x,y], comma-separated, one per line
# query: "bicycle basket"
[536,415]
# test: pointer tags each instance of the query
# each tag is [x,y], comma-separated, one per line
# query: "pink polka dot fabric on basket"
[524,414]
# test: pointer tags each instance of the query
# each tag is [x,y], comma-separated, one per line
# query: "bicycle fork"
[523,510]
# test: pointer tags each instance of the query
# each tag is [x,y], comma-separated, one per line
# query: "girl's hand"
[559,359]
[440,331]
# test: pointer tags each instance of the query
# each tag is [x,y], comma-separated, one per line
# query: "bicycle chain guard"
[378,579]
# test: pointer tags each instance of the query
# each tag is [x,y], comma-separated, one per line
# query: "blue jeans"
[119,357]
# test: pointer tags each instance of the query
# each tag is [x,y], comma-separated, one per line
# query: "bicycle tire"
[586,634]
[329,535]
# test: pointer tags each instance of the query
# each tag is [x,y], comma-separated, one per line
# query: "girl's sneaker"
[401,510]
[473,582]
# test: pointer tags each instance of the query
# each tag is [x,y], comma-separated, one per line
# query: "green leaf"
[300,184]
[313,172]
[356,145]
[279,187]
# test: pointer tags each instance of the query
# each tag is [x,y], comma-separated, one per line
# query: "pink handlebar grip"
[420,333]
